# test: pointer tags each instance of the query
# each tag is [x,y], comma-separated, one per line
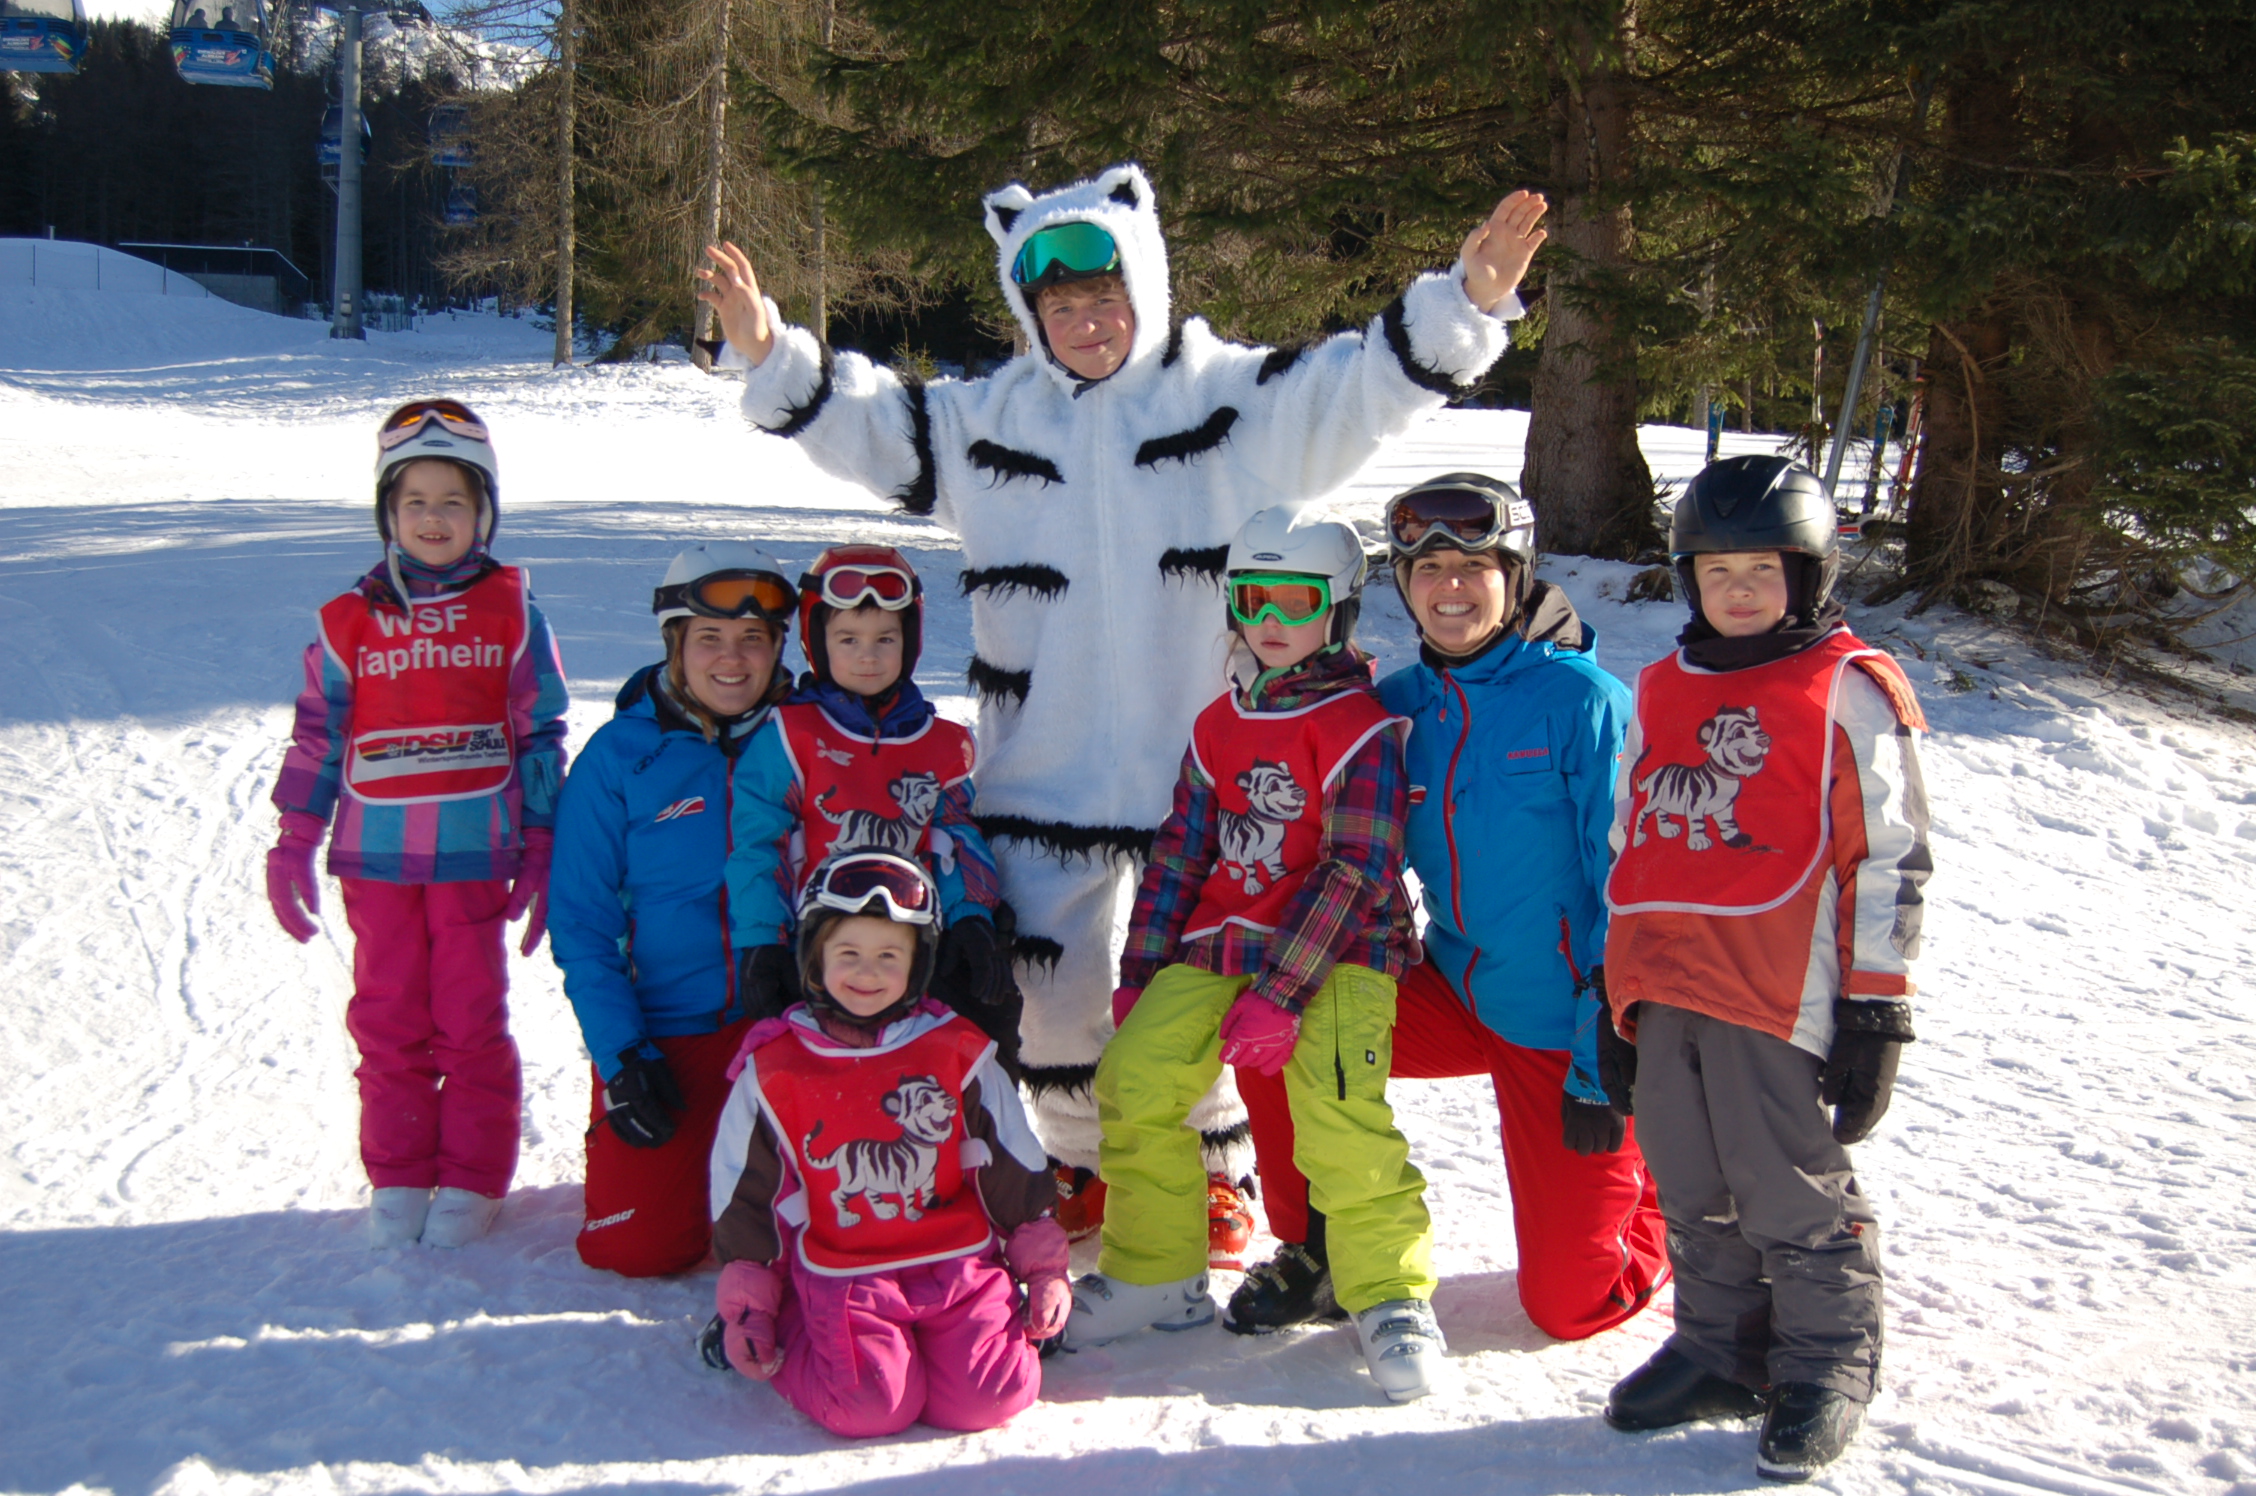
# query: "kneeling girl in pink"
[878,1196]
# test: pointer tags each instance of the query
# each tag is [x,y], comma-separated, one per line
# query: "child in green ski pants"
[1268,932]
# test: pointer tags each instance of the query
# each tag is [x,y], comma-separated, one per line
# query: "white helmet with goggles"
[1285,565]
[1468,512]
[444,429]
[880,885]
[725,579]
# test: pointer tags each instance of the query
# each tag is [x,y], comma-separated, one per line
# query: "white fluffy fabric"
[1094,517]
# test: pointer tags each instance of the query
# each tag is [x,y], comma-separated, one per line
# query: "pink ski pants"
[438,1073]
[871,1354]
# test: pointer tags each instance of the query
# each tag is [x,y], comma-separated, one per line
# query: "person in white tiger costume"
[1095,482]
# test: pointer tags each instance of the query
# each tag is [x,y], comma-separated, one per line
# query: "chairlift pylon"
[41,36]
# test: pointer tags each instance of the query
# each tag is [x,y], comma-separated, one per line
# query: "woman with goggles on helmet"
[1514,736]
[639,917]
[878,1193]
[859,759]
[1095,481]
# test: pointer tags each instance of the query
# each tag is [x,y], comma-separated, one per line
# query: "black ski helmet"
[1759,504]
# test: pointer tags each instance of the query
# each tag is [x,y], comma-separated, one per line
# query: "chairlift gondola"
[227,42]
[450,136]
[41,36]
[333,134]
[461,205]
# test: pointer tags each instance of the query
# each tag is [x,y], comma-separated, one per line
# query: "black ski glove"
[1860,1074]
[1617,1057]
[767,980]
[642,1099]
[969,971]
[1591,1126]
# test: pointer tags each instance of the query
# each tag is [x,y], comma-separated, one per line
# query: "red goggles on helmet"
[849,884]
[848,576]
[412,417]
[730,594]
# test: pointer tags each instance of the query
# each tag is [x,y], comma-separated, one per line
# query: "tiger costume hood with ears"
[1120,202]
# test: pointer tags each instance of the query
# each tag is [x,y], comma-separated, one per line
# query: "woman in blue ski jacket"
[639,906]
[1514,742]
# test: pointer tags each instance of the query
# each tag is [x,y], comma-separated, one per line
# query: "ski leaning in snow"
[441,765]
[1095,482]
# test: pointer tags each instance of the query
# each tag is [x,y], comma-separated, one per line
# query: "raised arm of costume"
[539,699]
[587,919]
[313,765]
[1311,418]
[764,811]
[858,421]
[746,1175]
[1015,1182]
[1359,856]
[1880,839]
[1182,856]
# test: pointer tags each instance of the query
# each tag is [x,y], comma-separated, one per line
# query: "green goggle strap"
[1271,609]
[1082,248]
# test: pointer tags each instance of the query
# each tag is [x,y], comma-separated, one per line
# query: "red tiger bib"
[877,1137]
[1730,813]
[430,714]
[863,794]
[1270,771]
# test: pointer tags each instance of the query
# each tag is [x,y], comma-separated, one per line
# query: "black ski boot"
[1291,1288]
[1806,1429]
[1669,1390]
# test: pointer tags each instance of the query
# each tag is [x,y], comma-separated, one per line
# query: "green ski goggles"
[1065,251]
[1289,597]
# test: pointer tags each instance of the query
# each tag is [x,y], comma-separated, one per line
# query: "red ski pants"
[649,1210]
[1592,1244]
[439,1082]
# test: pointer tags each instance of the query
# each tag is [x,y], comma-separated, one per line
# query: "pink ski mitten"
[748,1298]
[1037,1254]
[530,891]
[1123,1003]
[292,891]
[1258,1034]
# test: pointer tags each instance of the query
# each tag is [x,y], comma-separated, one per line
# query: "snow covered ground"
[185,1302]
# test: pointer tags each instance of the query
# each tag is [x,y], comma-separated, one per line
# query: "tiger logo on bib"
[1253,844]
[906,1167]
[1699,793]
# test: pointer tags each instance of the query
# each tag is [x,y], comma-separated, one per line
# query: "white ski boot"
[458,1218]
[395,1217]
[1403,1347]
[1106,1308]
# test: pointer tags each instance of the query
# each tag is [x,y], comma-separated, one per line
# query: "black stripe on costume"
[1060,1079]
[1038,950]
[799,417]
[1279,360]
[1174,349]
[1236,1135]
[994,683]
[1398,343]
[1044,582]
[922,491]
[1178,563]
[1182,446]
[1007,463]
[1065,841]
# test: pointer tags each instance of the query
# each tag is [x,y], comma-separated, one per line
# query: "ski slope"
[2065,1180]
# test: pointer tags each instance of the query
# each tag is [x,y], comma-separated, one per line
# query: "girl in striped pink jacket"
[432,726]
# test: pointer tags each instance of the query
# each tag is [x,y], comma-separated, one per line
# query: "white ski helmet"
[738,582]
[445,429]
[1287,541]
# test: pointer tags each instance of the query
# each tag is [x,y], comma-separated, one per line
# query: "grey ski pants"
[1776,1251]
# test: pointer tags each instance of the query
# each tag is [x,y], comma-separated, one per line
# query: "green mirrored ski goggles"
[1065,251]
[1289,597]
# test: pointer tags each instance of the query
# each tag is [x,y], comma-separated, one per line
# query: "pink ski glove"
[530,891]
[1123,1003]
[292,891]
[1037,1253]
[748,1298]
[1258,1034]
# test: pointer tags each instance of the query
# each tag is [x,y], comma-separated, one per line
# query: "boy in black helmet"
[1770,837]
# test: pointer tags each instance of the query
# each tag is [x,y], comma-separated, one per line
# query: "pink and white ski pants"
[944,1343]
[439,1082]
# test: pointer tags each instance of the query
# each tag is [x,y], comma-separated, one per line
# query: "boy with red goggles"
[859,760]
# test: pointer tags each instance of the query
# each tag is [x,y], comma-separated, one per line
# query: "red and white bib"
[878,1139]
[1730,810]
[430,715]
[868,794]
[1270,771]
